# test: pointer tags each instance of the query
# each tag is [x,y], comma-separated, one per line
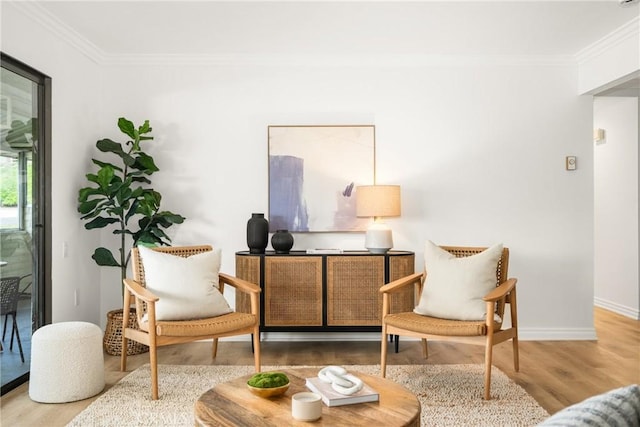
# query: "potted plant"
[119,195]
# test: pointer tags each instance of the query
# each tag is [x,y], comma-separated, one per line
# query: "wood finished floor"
[555,373]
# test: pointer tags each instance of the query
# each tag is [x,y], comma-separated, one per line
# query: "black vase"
[282,241]
[257,233]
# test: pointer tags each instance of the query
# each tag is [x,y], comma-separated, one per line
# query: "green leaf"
[101,164]
[123,194]
[142,179]
[145,163]
[127,127]
[86,207]
[159,234]
[105,175]
[137,192]
[104,257]
[128,160]
[84,193]
[166,219]
[145,128]
[108,146]
[132,211]
[100,222]
[92,177]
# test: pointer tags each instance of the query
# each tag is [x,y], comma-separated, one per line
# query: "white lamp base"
[379,238]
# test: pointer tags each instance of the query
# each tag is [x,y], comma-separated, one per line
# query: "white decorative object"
[187,287]
[341,381]
[67,362]
[454,287]
[306,406]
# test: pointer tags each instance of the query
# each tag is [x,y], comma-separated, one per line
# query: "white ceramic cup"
[306,406]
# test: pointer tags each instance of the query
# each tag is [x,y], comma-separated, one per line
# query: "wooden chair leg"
[125,323]
[214,348]
[153,361]
[514,325]
[123,354]
[256,350]
[383,353]
[487,369]
[397,343]
[425,348]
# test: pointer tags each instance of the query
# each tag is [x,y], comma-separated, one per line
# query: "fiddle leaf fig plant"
[119,194]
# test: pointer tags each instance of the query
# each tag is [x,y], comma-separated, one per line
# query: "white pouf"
[67,362]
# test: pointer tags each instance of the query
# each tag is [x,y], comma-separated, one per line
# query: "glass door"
[23,138]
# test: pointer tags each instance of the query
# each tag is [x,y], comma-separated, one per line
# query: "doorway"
[25,232]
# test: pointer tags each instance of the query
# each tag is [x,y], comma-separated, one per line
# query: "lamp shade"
[378,200]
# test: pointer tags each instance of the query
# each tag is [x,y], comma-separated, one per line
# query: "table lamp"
[378,201]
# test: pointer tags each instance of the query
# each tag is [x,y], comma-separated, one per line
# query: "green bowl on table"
[268,384]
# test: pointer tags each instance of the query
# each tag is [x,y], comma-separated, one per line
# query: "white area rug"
[450,395]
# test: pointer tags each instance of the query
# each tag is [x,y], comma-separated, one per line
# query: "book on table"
[330,397]
[324,251]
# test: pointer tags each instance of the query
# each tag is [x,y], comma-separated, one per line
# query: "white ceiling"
[340,27]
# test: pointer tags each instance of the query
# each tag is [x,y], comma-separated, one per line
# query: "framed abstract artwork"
[313,175]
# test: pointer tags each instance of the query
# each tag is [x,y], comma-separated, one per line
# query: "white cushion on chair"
[454,287]
[187,287]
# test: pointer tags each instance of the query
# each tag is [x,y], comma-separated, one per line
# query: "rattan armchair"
[160,333]
[488,332]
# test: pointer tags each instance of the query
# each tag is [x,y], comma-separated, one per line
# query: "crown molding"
[629,30]
[337,60]
[59,28]
[43,17]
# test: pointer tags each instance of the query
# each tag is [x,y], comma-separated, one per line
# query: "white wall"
[75,125]
[478,148]
[617,285]
[479,152]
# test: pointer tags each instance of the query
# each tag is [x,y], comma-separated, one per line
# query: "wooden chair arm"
[501,291]
[140,292]
[400,283]
[242,285]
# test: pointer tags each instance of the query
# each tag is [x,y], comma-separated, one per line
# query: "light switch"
[570,163]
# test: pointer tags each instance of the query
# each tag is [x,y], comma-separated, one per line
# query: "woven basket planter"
[112,340]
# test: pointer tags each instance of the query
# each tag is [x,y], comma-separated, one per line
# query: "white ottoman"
[67,362]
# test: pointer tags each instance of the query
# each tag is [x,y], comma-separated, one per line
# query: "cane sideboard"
[323,292]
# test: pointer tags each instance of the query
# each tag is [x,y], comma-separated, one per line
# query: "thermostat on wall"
[570,163]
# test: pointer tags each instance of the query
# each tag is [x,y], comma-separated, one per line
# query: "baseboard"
[623,310]
[525,334]
[557,334]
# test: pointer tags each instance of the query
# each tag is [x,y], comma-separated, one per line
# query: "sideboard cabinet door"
[352,290]
[292,291]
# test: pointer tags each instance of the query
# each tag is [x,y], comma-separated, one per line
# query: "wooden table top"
[232,404]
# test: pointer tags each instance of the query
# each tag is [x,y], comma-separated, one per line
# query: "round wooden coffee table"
[232,404]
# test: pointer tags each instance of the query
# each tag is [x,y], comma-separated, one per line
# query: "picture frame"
[313,174]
